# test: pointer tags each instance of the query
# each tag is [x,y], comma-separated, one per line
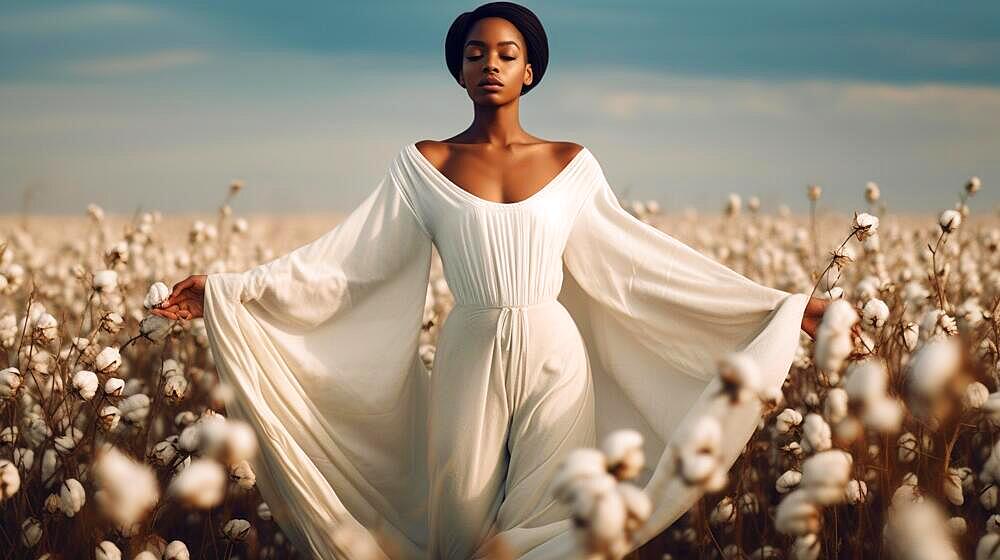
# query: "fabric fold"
[321,349]
[657,315]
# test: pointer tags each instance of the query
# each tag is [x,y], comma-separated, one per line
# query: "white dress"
[573,318]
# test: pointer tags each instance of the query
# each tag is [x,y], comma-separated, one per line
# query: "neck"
[497,125]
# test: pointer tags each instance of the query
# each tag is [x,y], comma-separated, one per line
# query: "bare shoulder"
[568,150]
[565,152]
[433,151]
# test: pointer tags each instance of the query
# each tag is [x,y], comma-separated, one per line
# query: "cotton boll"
[918,530]
[788,419]
[875,313]
[164,452]
[607,521]
[884,415]
[155,327]
[8,436]
[976,395]
[242,474]
[127,489]
[623,453]
[175,389]
[907,447]
[10,479]
[31,532]
[949,221]
[67,442]
[724,512]
[46,328]
[264,511]
[108,360]
[988,547]
[866,380]
[579,463]
[833,342]
[988,498]
[957,526]
[788,481]
[105,281]
[816,434]
[953,488]
[740,376]
[114,386]
[190,438]
[749,504]
[200,485]
[835,405]
[157,294]
[931,369]
[935,325]
[806,547]
[864,225]
[797,515]
[825,476]
[112,322]
[36,431]
[10,382]
[71,496]
[85,382]
[135,408]
[236,529]
[699,452]
[107,550]
[856,492]
[176,550]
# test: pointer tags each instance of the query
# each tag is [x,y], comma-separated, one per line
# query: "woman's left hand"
[813,315]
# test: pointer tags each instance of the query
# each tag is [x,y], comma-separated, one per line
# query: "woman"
[572,319]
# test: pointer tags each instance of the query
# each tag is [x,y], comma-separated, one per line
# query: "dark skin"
[493,159]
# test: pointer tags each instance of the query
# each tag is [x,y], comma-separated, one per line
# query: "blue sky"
[160,105]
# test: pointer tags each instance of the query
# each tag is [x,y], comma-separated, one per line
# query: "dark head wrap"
[522,18]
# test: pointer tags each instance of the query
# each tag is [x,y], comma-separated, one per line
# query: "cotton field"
[115,443]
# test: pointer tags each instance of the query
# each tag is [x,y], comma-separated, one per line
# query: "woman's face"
[494,48]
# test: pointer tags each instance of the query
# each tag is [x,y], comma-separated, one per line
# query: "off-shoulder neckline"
[412,147]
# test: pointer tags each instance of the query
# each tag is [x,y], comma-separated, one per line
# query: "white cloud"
[651,95]
[147,62]
[64,19]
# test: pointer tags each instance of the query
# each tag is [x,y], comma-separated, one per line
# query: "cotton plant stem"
[935,280]
[822,274]
[815,232]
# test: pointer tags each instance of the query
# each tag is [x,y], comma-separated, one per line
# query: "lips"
[491,81]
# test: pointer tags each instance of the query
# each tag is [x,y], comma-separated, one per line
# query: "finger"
[167,314]
[180,286]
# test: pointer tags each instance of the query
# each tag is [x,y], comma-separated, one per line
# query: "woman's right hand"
[186,301]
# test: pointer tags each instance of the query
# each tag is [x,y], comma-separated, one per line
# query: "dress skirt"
[511,396]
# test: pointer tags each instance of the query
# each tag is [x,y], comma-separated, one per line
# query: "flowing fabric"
[572,319]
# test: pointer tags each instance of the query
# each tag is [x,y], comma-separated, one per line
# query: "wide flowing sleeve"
[656,315]
[320,347]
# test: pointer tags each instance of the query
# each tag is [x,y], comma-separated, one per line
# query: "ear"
[461,80]
[529,75]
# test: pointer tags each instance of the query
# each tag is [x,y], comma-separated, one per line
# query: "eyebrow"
[482,44]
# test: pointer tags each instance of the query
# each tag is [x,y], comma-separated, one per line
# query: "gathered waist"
[473,305]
